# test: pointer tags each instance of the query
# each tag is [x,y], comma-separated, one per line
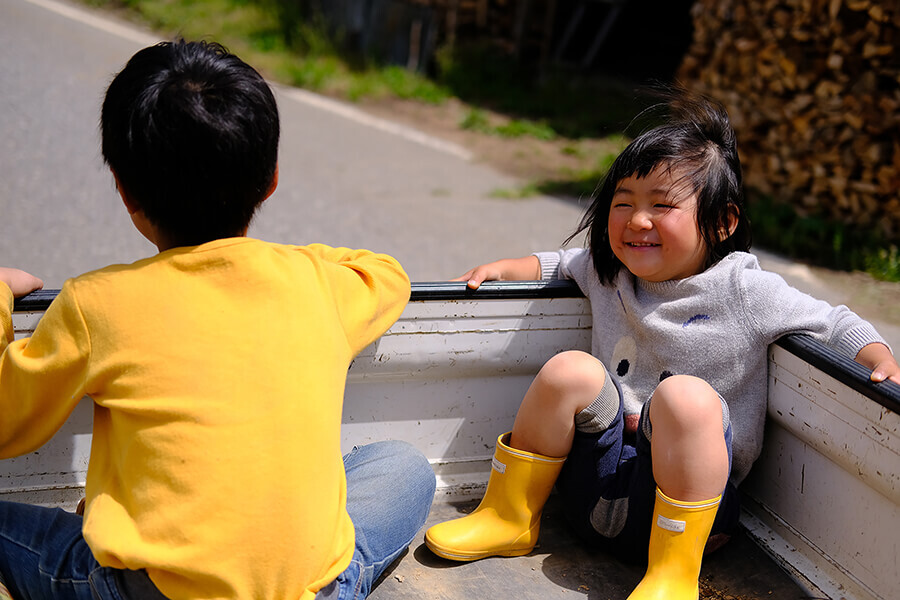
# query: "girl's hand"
[19,281]
[527,268]
[886,369]
[883,364]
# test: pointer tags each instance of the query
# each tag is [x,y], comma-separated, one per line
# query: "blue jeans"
[389,496]
[390,487]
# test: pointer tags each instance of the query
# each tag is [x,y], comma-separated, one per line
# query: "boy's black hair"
[698,145]
[191,131]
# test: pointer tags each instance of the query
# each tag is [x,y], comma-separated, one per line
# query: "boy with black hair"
[217,371]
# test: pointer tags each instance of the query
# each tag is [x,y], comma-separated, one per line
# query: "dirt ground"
[881,297]
[524,157]
[531,160]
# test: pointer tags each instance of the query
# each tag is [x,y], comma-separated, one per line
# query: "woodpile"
[813,88]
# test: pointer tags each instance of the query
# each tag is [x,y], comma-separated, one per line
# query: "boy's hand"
[883,364]
[19,281]
[527,268]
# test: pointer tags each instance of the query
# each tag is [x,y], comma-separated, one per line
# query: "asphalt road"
[345,178]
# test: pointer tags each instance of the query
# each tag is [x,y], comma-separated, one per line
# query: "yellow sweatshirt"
[217,374]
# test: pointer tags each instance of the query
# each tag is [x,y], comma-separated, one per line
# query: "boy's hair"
[191,132]
[698,146]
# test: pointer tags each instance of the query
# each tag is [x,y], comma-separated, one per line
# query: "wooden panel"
[826,488]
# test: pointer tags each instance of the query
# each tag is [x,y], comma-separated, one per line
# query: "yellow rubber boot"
[508,520]
[677,539]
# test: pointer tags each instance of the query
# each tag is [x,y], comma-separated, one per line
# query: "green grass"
[304,54]
[478,120]
[579,184]
[523,127]
[884,263]
[582,183]
[252,30]
[820,241]
[526,191]
[560,104]
[556,105]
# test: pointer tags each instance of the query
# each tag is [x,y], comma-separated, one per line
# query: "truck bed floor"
[561,566]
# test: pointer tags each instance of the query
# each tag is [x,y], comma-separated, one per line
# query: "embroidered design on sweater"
[695,319]
[624,356]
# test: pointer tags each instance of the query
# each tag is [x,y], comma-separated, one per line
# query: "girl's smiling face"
[653,227]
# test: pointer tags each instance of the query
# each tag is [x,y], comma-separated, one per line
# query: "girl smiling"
[648,436]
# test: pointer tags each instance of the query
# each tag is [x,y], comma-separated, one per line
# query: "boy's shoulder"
[253,257]
[180,258]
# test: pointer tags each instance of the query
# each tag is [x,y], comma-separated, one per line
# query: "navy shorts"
[608,490]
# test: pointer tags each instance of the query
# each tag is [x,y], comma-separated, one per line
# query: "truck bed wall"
[449,375]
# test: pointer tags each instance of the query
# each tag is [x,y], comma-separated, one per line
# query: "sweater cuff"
[549,265]
[855,339]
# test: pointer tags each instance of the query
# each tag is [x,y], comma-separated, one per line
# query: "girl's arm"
[527,268]
[878,357]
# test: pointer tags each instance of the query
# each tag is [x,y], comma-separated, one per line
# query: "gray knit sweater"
[716,325]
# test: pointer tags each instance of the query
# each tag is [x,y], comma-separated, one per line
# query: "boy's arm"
[878,357]
[42,378]
[527,268]
[372,289]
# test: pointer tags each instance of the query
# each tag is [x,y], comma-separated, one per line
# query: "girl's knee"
[686,402]
[566,384]
[573,371]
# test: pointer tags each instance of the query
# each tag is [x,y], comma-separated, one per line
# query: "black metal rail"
[493,290]
[841,367]
[35,301]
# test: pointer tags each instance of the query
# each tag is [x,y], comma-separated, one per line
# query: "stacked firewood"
[813,88]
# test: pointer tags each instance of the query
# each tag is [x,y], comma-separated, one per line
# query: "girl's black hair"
[697,145]
[191,131]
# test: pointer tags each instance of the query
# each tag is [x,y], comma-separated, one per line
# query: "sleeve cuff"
[549,265]
[854,340]
[6,296]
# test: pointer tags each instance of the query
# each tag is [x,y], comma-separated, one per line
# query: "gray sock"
[599,414]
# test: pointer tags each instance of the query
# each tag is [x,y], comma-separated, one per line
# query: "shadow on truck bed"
[562,566]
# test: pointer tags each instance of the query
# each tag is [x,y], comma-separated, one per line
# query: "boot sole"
[466,556]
